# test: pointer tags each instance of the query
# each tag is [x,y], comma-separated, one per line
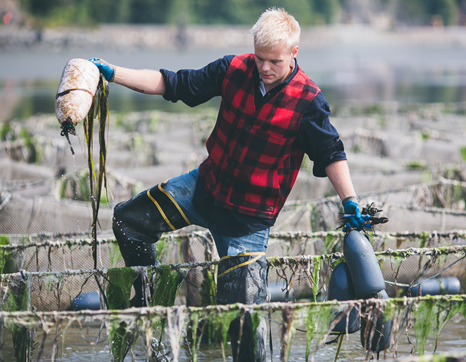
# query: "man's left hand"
[354,218]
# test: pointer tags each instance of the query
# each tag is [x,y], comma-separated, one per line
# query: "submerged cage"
[48,274]
[45,275]
[37,300]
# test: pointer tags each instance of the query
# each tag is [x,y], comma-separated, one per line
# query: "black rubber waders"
[242,279]
[340,288]
[139,223]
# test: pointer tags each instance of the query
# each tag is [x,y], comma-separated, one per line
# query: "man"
[270,116]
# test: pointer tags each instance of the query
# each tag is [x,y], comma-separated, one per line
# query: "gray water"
[86,344]
[29,78]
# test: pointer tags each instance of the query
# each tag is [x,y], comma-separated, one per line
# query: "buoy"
[340,288]
[365,272]
[76,91]
[89,300]
[436,286]
[381,333]
[278,292]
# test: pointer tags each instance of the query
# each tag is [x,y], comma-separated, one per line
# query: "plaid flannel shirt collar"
[260,83]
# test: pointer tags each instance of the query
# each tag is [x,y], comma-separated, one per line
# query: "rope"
[274,261]
[280,236]
[424,280]
[71,90]
[54,316]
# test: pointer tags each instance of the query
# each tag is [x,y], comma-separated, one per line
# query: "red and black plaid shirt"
[254,156]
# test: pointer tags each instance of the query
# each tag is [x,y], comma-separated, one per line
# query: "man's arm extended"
[140,80]
[191,86]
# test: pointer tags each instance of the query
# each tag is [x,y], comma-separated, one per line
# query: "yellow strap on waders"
[166,199]
[258,255]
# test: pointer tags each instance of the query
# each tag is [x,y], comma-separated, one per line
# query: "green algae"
[315,217]
[256,320]
[443,310]
[424,236]
[114,254]
[332,243]
[208,285]
[194,335]
[18,300]
[423,323]
[120,281]
[18,297]
[121,339]
[211,326]
[275,261]
[53,281]
[221,319]
[430,252]
[99,107]
[166,283]
[315,277]
[428,314]
[318,318]
[442,314]
[6,259]
[160,246]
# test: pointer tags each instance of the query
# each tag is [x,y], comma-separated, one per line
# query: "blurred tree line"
[307,12]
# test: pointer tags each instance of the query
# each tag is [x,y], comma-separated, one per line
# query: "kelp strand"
[100,104]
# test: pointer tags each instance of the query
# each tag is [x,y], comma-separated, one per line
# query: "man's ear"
[294,52]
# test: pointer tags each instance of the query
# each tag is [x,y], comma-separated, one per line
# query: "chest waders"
[138,224]
[242,279]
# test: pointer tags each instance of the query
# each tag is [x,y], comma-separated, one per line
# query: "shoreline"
[153,37]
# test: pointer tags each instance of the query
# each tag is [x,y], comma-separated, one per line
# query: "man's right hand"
[105,68]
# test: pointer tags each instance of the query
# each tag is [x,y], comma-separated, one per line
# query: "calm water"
[79,345]
[29,79]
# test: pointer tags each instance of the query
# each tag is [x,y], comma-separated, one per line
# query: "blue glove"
[107,70]
[355,219]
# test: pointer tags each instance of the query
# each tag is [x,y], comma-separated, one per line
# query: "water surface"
[29,78]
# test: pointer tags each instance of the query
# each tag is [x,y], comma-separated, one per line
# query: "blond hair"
[273,27]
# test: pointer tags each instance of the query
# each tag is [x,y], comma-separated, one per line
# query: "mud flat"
[221,37]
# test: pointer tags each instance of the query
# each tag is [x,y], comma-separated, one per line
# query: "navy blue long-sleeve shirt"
[317,136]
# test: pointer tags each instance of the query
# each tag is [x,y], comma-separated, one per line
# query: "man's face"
[275,63]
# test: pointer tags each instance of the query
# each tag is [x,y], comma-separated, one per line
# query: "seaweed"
[17,300]
[99,107]
[121,337]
